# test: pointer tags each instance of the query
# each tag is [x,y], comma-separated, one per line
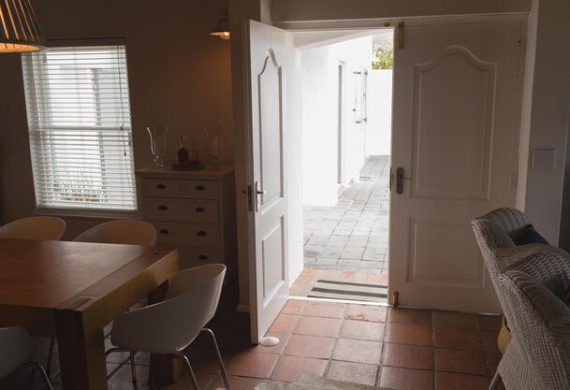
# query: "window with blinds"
[80,127]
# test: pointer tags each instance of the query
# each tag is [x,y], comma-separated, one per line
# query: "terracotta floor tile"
[409,316]
[489,323]
[467,362]
[452,381]
[317,326]
[236,382]
[353,372]
[204,360]
[362,330]
[284,323]
[408,334]
[409,356]
[283,339]
[294,306]
[324,309]
[457,338]
[366,313]
[489,340]
[290,368]
[252,364]
[310,346]
[406,379]
[492,361]
[358,351]
[452,319]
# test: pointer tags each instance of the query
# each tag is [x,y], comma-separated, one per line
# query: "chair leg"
[189,369]
[44,375]
[133,370]
[219,357]
[495,381]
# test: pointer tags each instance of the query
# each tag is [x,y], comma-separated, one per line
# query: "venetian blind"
[79,123]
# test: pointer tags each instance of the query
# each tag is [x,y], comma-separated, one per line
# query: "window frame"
[79,211]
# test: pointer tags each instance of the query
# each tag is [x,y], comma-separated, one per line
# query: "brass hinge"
[401,35]
[395,297]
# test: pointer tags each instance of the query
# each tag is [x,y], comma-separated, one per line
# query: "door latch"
[400,177]
[399,180]
[249,193]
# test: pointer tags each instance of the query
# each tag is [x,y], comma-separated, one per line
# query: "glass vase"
[157,136]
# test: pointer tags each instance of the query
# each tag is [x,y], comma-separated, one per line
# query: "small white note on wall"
[544,159]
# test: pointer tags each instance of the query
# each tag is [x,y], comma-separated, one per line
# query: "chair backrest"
[508,218]
[121,231]
[34,228]
[171,325]
[540,322]
[16,348]
[492,234]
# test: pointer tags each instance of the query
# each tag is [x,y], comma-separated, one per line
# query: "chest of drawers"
[193,211]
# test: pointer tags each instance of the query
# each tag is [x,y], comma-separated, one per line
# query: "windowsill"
[89,214]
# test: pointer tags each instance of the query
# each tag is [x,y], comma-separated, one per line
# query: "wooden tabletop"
[48,273]
[73,289]
[38,277]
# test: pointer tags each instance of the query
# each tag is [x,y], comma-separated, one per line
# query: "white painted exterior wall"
[379,127]
[320,75]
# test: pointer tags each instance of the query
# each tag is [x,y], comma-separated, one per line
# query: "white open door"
[270,70]
[456,109]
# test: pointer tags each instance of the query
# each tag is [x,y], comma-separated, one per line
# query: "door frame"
[243,136]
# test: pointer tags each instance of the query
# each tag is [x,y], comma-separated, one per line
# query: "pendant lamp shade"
[19,28]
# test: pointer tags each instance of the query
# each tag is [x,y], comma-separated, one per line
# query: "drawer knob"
[164,231]
[162,207]
[200,187]
[200,209]
[202,233]
[161,186]
[203,257]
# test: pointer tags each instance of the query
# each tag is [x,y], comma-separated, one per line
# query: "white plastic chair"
[121,231]
[170,326]
[34,228]
[16,351]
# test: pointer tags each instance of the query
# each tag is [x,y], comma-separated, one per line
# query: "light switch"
[544,159]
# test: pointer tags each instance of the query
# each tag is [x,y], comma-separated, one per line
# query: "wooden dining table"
[72,290]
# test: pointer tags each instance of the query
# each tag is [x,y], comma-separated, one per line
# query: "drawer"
[200,189]
[155,187]
[181,209]
[192,257]
[192,234]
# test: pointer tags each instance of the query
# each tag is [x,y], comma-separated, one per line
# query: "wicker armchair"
[534,289]
[499,251]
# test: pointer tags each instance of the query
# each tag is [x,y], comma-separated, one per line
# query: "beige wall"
[549,119]
[178,75]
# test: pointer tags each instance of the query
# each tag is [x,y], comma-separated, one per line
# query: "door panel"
[270,129]
[458,138]
[270,55]
[456,101]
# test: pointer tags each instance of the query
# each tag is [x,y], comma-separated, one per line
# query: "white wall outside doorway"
[320,79]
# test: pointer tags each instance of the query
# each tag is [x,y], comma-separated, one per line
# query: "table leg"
[81,352]
[164,369]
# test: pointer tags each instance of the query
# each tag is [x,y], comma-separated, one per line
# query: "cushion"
[527,235]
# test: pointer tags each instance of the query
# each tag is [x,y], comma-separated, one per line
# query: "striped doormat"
[349,291]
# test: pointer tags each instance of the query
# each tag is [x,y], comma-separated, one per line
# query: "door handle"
[400,177]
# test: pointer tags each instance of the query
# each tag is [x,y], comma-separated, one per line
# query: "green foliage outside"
[383,58]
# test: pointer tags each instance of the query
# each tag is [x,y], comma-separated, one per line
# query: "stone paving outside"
[349,242]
